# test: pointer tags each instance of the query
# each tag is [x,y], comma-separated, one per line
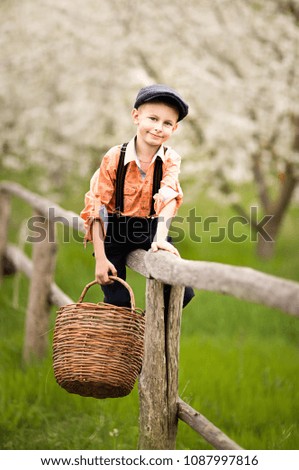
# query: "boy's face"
[155,122]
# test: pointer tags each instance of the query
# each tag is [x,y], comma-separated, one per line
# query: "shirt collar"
[131,154]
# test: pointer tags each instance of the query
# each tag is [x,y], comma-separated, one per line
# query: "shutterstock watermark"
[236,229]
[38,228]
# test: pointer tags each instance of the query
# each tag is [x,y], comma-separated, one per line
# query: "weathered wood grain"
[241,282]
[153,432]
[38,308]
[205,428]
[22,263]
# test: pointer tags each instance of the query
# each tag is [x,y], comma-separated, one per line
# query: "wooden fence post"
[37,315]
[173,332]
[158,383]
[4,221]
[152,381]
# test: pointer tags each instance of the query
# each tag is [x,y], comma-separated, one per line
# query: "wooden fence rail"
[160,406]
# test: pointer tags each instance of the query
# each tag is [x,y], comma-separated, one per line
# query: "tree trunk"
[4,217]
[278,209]
[265,248]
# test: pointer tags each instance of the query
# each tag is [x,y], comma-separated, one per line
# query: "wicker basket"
[98,348]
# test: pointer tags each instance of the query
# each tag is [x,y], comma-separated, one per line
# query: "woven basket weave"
[98,348]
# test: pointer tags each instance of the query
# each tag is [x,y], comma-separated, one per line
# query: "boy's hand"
[104,269]
[164,245]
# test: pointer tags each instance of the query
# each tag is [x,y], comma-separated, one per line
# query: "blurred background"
[69,75]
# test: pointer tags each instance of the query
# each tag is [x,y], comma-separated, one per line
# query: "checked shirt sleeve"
[100,194]
[170,187]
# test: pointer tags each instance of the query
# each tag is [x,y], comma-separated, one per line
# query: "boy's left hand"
[164,245]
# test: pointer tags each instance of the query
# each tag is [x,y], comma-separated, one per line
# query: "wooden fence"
[160,406]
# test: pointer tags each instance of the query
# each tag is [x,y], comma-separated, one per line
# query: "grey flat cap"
[166,94]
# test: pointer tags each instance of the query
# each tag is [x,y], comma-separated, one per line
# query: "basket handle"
[114,278]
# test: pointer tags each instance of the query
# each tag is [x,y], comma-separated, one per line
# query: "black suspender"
[120,181]
[156,181]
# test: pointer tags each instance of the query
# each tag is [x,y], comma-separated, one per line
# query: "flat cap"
[165,94]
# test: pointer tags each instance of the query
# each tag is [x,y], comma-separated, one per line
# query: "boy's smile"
[155,122]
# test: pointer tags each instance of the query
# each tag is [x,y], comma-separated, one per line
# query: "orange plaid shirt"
[137,190]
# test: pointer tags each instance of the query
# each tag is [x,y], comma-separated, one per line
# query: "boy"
[136,191]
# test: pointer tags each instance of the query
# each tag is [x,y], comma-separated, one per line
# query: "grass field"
[239,362]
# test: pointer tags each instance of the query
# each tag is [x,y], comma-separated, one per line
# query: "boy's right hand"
[104,269]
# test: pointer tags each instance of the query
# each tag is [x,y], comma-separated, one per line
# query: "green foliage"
[238,361]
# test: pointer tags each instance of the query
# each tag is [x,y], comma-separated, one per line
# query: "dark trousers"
[125,234]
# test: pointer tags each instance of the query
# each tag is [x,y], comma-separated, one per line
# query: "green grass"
[245,386]
[238,361]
